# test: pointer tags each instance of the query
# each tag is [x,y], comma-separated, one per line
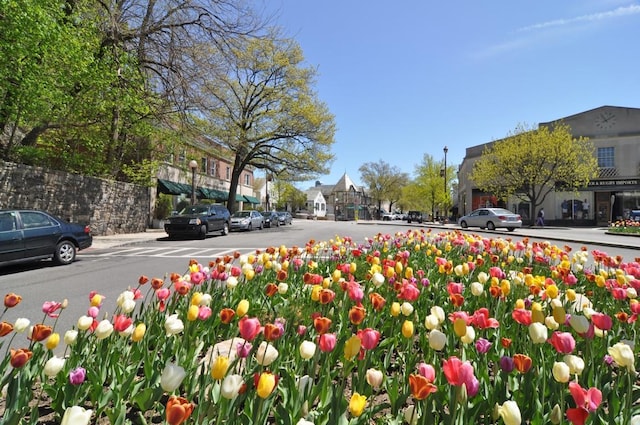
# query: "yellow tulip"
[460,327]
[352,347]
[220,367]
[315,292]
[266,384]
[243,308]
[138,332]
[53,341]
[407,329]
[357,404]
[395,309]
[196,298]
[192,313]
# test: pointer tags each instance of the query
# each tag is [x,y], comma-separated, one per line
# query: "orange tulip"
[420,386]
[272,332]
[377,301]
[522,362]
[326,296]
[356,314]
[20,357]
[178,410]
[157,283]
[322,324]
[226,315]
[12,300]
[271,290]
[40,332]
[5,328]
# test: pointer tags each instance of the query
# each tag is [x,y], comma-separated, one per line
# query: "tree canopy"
[427,191]
[383,181]
[263,109]
[530,163]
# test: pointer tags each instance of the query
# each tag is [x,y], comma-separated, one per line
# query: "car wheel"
[225,229]
[511,229]
[65,253]
[491,226]
[250,227]
[464,224]
[203,232]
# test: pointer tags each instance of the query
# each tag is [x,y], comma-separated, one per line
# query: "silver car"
[491,218]
[247,220]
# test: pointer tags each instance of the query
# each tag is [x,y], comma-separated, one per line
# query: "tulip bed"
[418,327]
[625,226]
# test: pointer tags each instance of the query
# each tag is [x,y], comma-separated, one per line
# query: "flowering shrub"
[416,327]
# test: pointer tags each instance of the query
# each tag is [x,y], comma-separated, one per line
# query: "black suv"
[414,216]
[199,220]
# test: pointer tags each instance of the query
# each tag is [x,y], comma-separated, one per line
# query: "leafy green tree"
[384,182]
[265,111]
[530,163]
[427,191]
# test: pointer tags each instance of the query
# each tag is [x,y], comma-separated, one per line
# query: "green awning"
[173,188]
[215,194]
[239,198]
[252,199]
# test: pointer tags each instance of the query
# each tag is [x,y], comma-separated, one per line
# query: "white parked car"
[491,218]
[247,220]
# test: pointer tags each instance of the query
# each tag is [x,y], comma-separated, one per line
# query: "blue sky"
[409,77]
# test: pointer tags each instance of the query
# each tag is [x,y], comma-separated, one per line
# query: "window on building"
[228,174]
[605,157]
[213,167]
[247,179]
[203,165]
[182,157]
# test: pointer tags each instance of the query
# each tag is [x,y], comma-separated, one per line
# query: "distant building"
[615,133]
[345,200]
[316,204]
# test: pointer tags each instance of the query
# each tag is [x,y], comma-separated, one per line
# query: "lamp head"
[193,164]
[446,149]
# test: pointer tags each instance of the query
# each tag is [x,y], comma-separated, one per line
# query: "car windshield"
[266,213]
[241,214]
[194,209]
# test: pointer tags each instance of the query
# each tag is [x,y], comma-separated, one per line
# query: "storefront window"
[630,202]
[572,206]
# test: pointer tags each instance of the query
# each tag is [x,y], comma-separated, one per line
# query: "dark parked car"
[285,217]
[247,220]
[28,235]
[414,216]
[271,219]
[198,221]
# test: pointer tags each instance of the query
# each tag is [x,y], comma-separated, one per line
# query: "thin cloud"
[621,11]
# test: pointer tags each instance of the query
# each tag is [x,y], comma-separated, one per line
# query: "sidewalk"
[121,239]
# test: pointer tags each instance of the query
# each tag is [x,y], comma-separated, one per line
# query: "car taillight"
[87,229]
[501,217]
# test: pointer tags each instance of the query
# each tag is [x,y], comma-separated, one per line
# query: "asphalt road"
[114,264]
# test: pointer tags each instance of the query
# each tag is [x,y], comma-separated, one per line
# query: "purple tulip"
[506,364]
[482,345]
[243,349]
[77,376]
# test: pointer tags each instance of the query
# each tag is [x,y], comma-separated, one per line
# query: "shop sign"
[614,182]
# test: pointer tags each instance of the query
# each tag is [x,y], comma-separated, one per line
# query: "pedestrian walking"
[585,209]
[540,220]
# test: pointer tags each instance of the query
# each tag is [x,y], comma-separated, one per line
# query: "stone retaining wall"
[109,207]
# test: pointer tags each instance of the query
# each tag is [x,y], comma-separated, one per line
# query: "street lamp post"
[446,195]
[193,164]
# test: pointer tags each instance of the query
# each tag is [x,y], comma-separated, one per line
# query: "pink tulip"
[249,328]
